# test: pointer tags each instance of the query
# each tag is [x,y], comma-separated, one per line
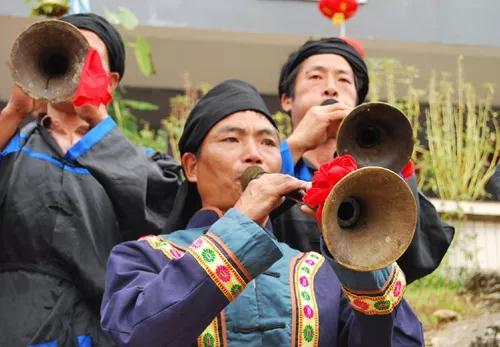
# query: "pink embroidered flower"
[308,311]
[175,253]
[361,304]
[397,289]
[303,281]
[223,273]
[310,262]
[197,243]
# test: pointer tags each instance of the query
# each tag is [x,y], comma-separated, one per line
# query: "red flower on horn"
[325,178]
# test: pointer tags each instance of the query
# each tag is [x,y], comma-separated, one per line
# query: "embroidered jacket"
[228,282]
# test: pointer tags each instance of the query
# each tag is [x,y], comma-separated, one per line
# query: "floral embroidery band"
[306,307]
[381,304]
[167,247]
[218,267]
[214,334]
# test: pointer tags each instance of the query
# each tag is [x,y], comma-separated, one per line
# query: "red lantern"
[338,10]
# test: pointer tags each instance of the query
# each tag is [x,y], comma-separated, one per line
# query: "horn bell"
[47,58]
[369,219]
[376,134]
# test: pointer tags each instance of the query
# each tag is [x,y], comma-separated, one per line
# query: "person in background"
[71,187]
[326,69]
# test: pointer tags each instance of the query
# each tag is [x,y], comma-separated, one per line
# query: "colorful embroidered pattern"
[163,245]
[383,303]
[210,337]
[307,309]
[220,270]
[214,334]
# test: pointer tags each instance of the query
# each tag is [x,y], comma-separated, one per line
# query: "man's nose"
[330,87]
[252,153]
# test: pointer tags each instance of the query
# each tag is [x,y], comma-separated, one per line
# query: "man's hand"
[264,194]
[319,124]
[21,105]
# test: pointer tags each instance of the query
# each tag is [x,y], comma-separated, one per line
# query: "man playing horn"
[223,279]
[71,187]
[331,69]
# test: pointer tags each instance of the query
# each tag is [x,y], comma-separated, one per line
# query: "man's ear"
[114,80]
[190,165]
[286,103]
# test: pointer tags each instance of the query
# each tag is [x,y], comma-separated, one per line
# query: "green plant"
[141,134]
[463,137]
[386,77]
[49,8]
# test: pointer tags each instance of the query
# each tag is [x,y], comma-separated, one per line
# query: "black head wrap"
[331,45]
[223,100]
[107,33]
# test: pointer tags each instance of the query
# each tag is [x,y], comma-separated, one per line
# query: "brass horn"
[47,58]
[376,134]
[369,219]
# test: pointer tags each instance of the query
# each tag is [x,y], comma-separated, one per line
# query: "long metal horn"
[376,134]
[47,58]
[369,219]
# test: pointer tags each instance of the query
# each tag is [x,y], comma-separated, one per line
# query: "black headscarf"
[107,33]
[223,100]
[331,45]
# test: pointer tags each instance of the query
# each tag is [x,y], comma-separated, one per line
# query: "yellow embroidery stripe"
[307,308]
[382,304]
[210,336]
[163,245]
[217,267]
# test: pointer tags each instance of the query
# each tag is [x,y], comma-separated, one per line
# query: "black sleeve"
[431,241]
[142,188]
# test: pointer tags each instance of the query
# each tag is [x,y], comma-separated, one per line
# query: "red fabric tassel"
[94,82]
[408,170]
[325,178]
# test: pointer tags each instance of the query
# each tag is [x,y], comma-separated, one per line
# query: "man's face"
[320,77]
[241,140]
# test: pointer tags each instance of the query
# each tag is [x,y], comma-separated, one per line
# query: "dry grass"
[436,292]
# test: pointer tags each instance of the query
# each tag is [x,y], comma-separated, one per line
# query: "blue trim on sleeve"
[45,344]
[84,341]
[249,242]
[286,159]
[94,136]
[13,146]
[149,151]
[300,171]
[54,161]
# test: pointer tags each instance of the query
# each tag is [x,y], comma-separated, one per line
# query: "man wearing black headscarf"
[223,280]
[71,187]
[318,72]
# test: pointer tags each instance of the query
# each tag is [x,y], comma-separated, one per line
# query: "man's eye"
[315,77]
[345,80]
[230,139]
[269,142]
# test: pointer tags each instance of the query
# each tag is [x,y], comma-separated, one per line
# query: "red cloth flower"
[325,178]
[94,82]
[408,170]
